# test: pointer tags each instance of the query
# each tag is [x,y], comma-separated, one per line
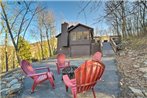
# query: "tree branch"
[22,21]
[8,26]
[103,17]
[84,7]
[35,12]
[16,18]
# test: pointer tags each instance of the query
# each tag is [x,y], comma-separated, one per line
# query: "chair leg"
[52,82]
[33,87]
[58,70]
[53,76]
[75,95]
[66,88]
[93,93]
[73,90]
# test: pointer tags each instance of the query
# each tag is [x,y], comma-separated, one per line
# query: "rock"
[8,79]
[137,92]
[23,77]
[130,52]
[144,92]
[18,76]
[15,88]
[133,58]
[9,75]
[4,92]
[5,82]
[119,47]
[139,97]
[145,63]
[136,66]
[11,84]
[121,53]
[14,81]
[144,70]
[3,85]
[145,75]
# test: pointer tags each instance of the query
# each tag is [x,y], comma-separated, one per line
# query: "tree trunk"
[123,20]
[38,53]
[6,48]
[144,25]
[48,41]
[13,59]
[41,45]
[117,27]
[10,32]
[6,52]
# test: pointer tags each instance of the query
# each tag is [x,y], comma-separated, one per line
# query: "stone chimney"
[64,34]
[64,27]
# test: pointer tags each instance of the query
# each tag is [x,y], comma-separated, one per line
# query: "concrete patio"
[108,87]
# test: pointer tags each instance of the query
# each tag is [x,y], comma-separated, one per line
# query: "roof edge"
[58,35]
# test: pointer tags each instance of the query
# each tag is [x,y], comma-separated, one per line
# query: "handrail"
[113,44]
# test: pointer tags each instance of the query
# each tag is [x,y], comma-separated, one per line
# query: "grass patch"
[137,42]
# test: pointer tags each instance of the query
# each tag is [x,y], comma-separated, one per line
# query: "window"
[85,35]
[73,36]
[80,35]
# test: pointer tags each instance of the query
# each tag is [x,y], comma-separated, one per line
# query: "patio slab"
[108,87]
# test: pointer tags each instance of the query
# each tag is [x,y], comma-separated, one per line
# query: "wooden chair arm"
[68,62]
[37,74]
[68,82]
[40,68]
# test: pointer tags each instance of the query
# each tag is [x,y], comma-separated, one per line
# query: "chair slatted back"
[97,56]
[88,74]
[61,59]
[27,68]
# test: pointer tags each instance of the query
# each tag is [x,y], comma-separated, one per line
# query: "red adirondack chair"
[97,56]
[86,77]
[37,77]
[61,62]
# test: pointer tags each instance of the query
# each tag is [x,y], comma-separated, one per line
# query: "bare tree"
[47,20]
[40,28]
[128,18]
[6,46]
[21,22]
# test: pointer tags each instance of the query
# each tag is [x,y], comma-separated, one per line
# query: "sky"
[69,11]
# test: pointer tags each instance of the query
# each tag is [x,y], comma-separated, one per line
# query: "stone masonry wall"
[11,83]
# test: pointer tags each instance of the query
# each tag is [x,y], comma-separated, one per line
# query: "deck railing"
[114,45]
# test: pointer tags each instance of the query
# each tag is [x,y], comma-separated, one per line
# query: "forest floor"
[132,65]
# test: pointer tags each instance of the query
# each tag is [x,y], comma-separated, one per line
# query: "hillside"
[36,53]
[132,64]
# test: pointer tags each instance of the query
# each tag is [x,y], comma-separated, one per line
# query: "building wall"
[95,47]
[61,48]
[81,41]
[79,50]
[82,46]
[59,45]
